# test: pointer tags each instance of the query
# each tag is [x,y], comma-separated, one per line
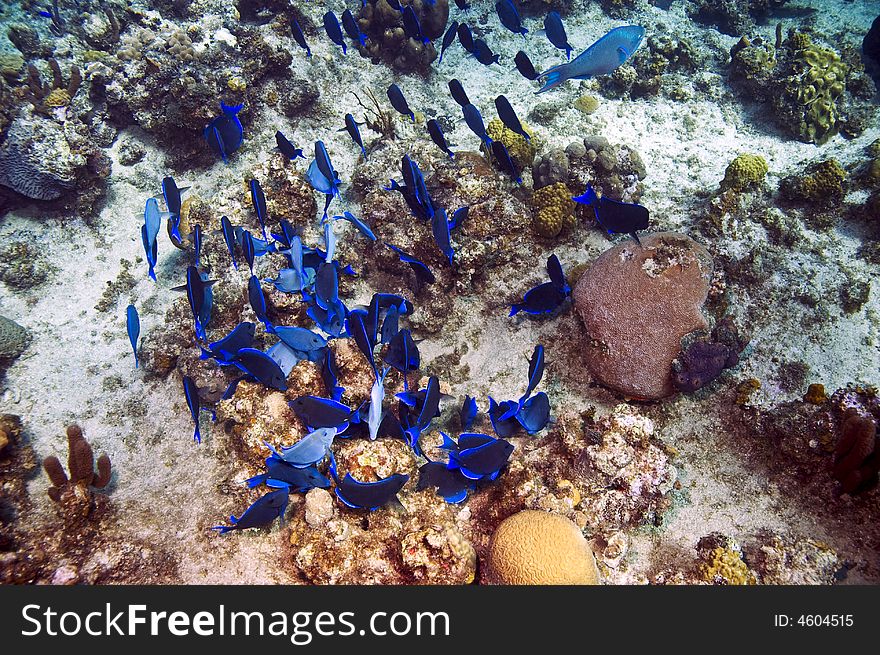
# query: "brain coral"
[36,160]
[744,171]
[636,304]
[540,548]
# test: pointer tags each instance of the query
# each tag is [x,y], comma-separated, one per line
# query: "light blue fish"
[601,58]
[288,281]
[153,220]
[329,241]
[309,450]
[299,338]
[285,356]
[377,397]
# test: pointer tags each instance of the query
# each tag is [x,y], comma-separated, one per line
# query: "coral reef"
[24,266]
[554,210]
[704,360]
[664,65]
[857,454]
[633,335]
[539,548]
[522,151]
[822,183]
[744,171]
[73,494]
[733,17]
[14,339]
[37,161]
[386,40]
[44,98]
[722,562]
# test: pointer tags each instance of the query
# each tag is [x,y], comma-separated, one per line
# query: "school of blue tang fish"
[312,272]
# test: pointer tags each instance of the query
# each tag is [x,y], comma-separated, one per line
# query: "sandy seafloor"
[165,487]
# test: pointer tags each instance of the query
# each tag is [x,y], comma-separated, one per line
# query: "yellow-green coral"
[586,104]
[521,151]
[554,210]
[818,86]
[725,566]
[824,183]
[744,171]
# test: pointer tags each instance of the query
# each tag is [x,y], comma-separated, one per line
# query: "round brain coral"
[637,303]
[540,548]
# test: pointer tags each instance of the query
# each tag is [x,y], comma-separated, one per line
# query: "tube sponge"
[540,548]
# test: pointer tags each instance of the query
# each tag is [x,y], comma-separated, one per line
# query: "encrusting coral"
[81,465]
[744,171]
[554,210]
[539,548]
[823,182]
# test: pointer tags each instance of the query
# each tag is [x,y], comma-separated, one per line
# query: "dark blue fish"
[351,27]
[362,227]
[509,118]
[395,95]
[449,37]
[468,413]
[430,408]
[391,325]
[403,353]
[334,31]
[462,4]
[330,376]
[316,412]
[524,66]
[459,216]
[437,137]
[191,393]
[258,245]
[260,514]
[484,461]
[555,31]
[364,338]
[326,285]
[510,17]
[394,4]
[299,338]
[534,413]
[247,246]
[503,418]
[198,293]
[474,120]
[197,243]
[229,237]
[286,148]
[330,320]
[258,199]
[440,230]
[458,93]
[502,156]
[466,38]
[613,216]
[465,440]
[299,37]
[262,368]
[280,474]
[133,327]
[225,350]
[152,252]
[557,276]
[423,273]
[171,194]
[536,371]
[351,126]
[258,301]
[322,161]
[386,300]
[225,134]
[484,54]
[541,299]
[411,26]
[367,495]
[451,484]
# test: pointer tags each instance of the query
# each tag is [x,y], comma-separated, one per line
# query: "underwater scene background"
[409,321]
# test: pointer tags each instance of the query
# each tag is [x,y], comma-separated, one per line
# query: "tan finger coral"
[540,548]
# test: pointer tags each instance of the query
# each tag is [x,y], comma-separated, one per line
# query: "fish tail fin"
[633,234]
[230,111]
[552,78]
[515,310]
[256,480]
[308,52]
[197,435]
[223,529]
[448,443]
[344,49]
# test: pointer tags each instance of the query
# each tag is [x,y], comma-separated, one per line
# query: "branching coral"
[46,98]
[80,464]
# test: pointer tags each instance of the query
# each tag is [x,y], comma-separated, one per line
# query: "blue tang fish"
[501,155]
[225,350]
[481,461]
[362,227]
[133,327]
[411,26]
[510,17]
[258,301]
[614,216]
[367,495]
[545,297]
[351,28]
[391,325]
[466,38]
[198,292]
[468,413]
[509,118]
[299,37]
[601,58]
[351,126]
[225,134]
[524,66]
[261,514]
[451,484]
[437,137]
[377,397]
[440,230]
[229,237]
[280,474]
[449,37]
[171,194]
[395,96]
[474,120]
[403,353]
[555,31]
[458,93]
[260,367]
[334,31]
[364,338]
[300,338]
[286,148]
[285,357]
[191,394]
[309,450]
[258,199]
[330,376]
[484,54]
[288,280]
[423,273]
[459,216]
[317,412]
[534,413]
[197,243]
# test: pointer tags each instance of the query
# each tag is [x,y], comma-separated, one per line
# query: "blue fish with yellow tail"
[601,58]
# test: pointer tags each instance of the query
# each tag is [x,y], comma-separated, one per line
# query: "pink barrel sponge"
[636,303]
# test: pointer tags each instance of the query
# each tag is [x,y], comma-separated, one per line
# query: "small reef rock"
[634,334]
[14,339]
